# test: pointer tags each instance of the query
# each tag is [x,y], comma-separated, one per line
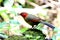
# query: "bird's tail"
[48,24]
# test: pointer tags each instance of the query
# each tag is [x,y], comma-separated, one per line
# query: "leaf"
[23,30]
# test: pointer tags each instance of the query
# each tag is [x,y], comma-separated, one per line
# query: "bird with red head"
[33,20]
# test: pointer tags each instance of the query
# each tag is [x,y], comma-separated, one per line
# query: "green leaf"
[24,29]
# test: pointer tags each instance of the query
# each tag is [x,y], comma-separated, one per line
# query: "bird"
[33,20]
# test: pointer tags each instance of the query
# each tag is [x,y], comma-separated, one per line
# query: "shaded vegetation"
[31,34]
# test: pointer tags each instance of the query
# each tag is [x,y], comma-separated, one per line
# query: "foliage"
[1,1]
[31,0]
[28,6]
[31,34]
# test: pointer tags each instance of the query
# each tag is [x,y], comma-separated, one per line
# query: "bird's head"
[24,14]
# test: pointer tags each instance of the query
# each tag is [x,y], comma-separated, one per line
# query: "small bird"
[33,20]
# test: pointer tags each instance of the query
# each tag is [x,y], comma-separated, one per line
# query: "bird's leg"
[34,26]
